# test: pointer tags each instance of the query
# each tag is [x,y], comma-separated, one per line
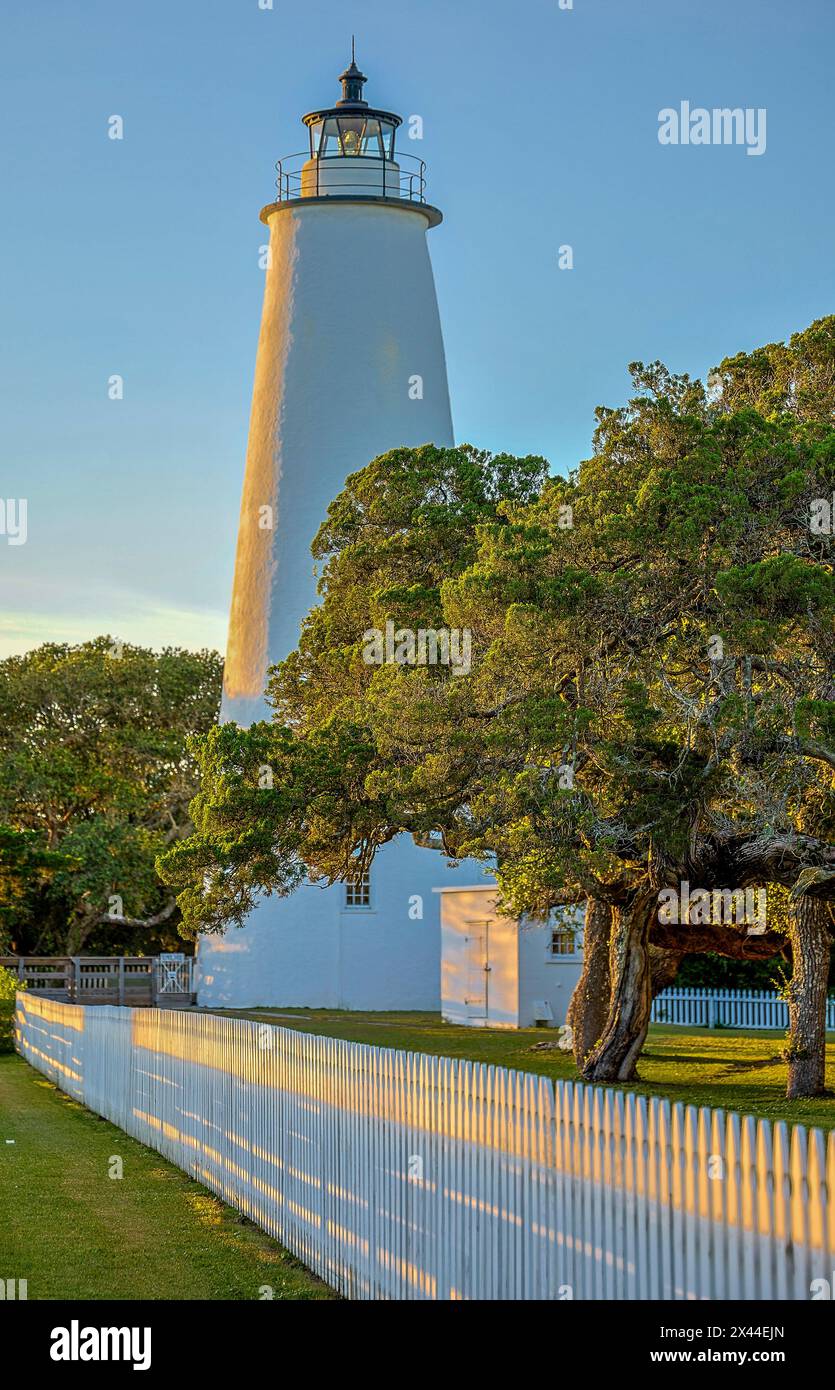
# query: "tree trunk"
[806,1052]
[616,1053]
[589,1007]
[664,966]
[77,934]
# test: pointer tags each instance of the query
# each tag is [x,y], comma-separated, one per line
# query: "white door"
[478,970]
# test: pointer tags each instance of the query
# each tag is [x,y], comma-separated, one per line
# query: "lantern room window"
[378,139]
[331,142]
[352,137]
[315,131]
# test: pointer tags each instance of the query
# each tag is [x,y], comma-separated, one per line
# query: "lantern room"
[352,153]
[351,129]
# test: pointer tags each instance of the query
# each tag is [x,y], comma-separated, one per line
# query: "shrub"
[8,984]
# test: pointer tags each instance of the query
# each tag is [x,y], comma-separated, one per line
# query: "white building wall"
[288,953]
[546,977]
[309,951]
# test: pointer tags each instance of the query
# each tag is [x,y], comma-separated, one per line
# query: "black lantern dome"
[351,128]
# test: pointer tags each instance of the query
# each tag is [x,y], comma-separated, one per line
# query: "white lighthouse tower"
[350,365]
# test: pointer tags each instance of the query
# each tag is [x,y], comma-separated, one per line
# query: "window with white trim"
[358,890]
[561,942]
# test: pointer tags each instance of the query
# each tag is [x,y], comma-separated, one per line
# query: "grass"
[74,1232]
[722,1068]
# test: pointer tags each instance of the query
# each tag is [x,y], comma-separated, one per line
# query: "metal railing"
[404,185]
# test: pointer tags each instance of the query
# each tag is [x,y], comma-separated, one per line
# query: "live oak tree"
[650,701]
[726,623]
[95,780]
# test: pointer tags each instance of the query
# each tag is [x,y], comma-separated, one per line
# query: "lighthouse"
[350,364]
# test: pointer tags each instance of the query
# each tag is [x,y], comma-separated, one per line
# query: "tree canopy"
[95,780]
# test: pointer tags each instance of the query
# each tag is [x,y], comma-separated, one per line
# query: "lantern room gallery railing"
[376,177]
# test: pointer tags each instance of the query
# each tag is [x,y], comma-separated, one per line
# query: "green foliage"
[24,864]
[711,971]
[95,780]
[793,378]
[8,986]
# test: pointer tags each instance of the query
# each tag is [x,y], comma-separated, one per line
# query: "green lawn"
[74,1232]
[725,1069]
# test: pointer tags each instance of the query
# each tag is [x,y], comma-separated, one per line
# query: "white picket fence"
[727,1008]
[396,1175]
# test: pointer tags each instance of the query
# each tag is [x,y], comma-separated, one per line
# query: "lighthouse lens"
[351,130]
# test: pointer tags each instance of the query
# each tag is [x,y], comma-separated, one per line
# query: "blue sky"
[140,256]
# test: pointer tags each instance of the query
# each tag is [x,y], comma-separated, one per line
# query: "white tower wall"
[350,315]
